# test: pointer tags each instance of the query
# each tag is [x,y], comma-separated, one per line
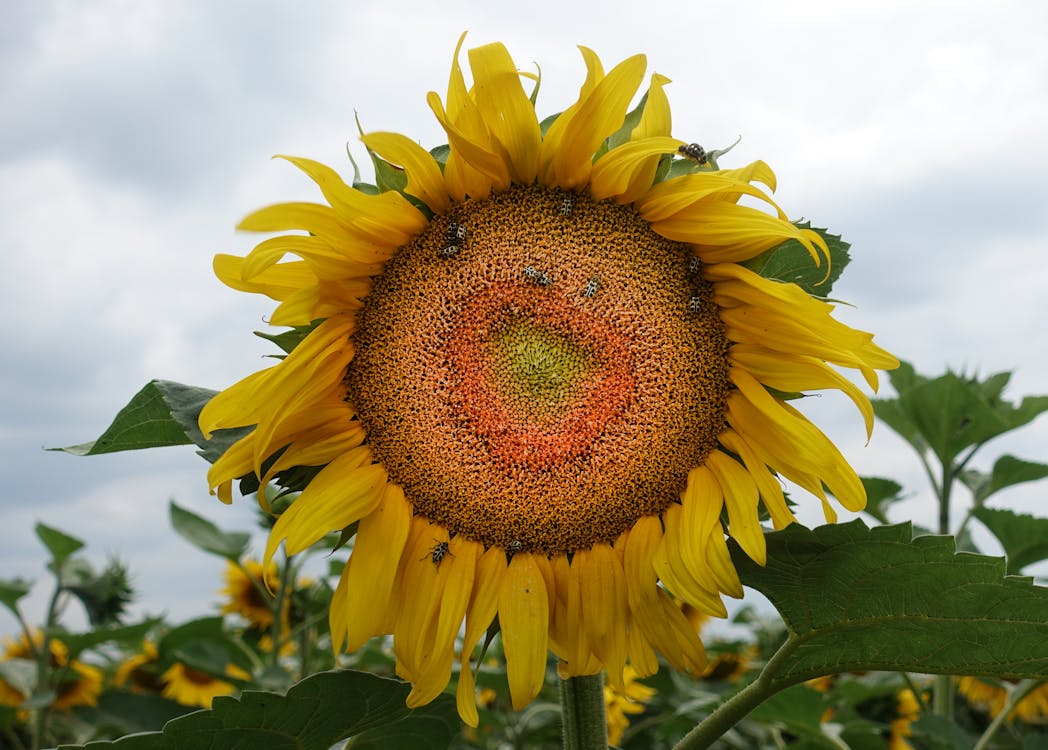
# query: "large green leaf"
[1024,537]
[953,412]
[856,599]
[163,413]
[206,536]
[316,713]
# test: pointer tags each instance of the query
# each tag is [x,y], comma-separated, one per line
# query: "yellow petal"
[343,492]
[687,197]
[506,109]
[796,373]
[656,118]
[483,604]
[698,588]
[384,219]
[740,497]
[624,167]
[767,484]
[425,181]
[725,232]
[604,607]
[524,618]
[372,567]
[576,135]
[309,217]
[276,282]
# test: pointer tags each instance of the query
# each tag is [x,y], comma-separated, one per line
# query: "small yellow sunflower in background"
[730,664]
[619,705]
[908,710]
[990,698]
[248,594]
[536,373]
[75,683]
[138,672]
[192,687]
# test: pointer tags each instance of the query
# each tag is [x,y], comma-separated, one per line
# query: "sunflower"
[139,671]
[535,373]
[991,697]
[192,687]
[907,710]
[620,705]
[75,683]
[247,592]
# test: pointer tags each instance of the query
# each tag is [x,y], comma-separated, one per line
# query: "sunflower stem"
[583,712]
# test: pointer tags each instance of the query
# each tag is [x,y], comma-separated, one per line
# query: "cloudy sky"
[135,133]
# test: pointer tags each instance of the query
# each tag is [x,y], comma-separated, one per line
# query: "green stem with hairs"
[583,713]
[733,710]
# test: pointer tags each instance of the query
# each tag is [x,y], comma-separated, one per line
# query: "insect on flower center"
[539,377]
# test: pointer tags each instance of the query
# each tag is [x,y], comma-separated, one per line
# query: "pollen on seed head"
[532,415]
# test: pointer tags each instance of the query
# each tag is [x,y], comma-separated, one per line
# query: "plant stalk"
[1020,691]
[583,713]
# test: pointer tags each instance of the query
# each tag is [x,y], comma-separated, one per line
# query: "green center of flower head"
[538,370]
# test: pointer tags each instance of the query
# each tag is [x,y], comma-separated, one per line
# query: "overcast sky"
[135,133]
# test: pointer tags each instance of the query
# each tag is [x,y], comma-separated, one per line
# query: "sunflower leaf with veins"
[315,714]
[857,599]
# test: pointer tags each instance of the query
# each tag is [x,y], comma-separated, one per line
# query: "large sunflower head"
[533,366]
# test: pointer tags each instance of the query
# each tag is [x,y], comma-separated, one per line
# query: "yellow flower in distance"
[620,705]
[192,687]
[247,592]
[138,672]
[75,683]
[990,698]
[537,373]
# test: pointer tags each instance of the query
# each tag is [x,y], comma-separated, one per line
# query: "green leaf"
[123,634]
[387,176]
[204,628]
[132,712]
[953,412]
[857,599]
[622,135]
[315,714]
[206,536]
[163,413]
[798,708]
[59,544]
[939,733]
[13,589]
[288,340]
[881,494]
[1024,537]
[146,422]
[791,262]
[1009,471]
